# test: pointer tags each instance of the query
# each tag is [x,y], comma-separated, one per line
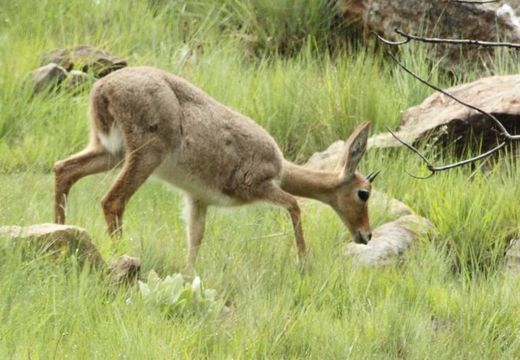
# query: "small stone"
[47,77]
[85,58]
[124,270]
[76,79]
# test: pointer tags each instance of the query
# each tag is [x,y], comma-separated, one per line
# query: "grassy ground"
[447,299]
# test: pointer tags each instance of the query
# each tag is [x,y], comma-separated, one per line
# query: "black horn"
[373,175]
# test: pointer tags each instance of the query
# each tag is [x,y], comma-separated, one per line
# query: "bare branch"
[433,169]
[409,37]
[507,137]
[457,41]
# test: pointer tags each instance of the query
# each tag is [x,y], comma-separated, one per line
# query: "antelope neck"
[305,182]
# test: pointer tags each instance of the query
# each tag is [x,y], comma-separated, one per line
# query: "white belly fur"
[175,175]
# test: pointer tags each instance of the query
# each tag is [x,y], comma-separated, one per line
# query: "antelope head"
[349,198]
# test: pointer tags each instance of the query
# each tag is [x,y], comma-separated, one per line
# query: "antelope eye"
[363,195]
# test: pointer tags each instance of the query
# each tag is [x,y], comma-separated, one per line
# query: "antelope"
[153,122]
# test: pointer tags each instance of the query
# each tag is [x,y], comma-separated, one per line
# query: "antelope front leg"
[294,212]
[276,195]
[196,219]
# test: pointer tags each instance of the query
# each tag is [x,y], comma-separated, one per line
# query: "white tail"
[153,122]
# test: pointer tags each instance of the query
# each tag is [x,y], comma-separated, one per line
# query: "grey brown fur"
[153,122]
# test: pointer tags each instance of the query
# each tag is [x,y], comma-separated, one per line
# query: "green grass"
[271,60]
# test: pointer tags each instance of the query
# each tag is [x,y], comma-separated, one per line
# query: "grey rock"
[330,157]
[392,208]
[85,58]
[47,77]
[327,159]
[512,257]
[56,239]
[390,241]
[76,79]
[440,120]
[124,270]
[444,19]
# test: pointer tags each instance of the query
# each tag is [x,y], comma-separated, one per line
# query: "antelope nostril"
[361,238]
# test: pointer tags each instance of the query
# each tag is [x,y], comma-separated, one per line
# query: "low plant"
[175,296]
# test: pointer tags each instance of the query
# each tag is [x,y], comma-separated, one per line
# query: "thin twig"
[409,37]
[414,149]
[389,42]
[470,160]
[432,168]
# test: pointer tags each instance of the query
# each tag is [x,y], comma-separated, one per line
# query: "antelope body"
[153,122]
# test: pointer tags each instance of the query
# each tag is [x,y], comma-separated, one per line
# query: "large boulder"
[59,240]
[56,240]
[442,120]
[445,19]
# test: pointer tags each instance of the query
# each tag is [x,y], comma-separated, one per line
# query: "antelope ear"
[354,150]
